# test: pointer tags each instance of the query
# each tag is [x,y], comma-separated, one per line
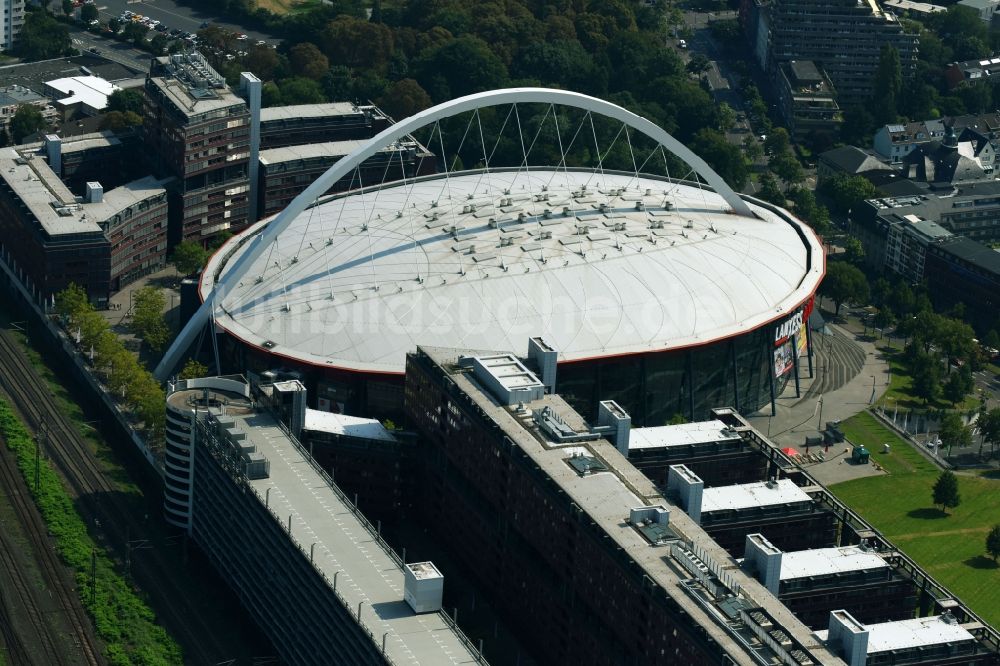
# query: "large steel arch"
[445,110]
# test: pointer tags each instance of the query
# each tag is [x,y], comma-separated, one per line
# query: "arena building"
[669,296]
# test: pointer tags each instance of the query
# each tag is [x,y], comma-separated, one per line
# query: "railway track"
[45,650]
[101,503]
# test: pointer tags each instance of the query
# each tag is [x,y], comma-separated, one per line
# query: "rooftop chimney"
[95,192]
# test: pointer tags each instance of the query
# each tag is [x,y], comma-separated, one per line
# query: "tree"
[193,370]
[147,317]
[128,99]
[888,86]
[699,63]
[88,13]
[847,192]
[116,120]
[959,385]
[26,121]
[308,61]
[988,425]
[404,98]
[787,168]
[925,374]
[357,43]
[262,61]
[954,432]
[993,542]
[725,158]
[854,251]
[67,7]
[946,491]
[158,44]
[188,257]
[459,67]
[778,141]
[42,37]
[843,283]
[768,190]
[299,90]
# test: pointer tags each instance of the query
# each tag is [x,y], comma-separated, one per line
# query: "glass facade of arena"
[654,387]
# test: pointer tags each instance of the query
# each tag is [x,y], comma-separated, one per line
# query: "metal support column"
[795,364]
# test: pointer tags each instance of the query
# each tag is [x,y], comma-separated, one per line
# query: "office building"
[198,131]
[301,124]
[100,241]
[940,640]
[711,449]
[570,540]
[986,9]
[778,508]
[812,583]
[286,171]
[964,271]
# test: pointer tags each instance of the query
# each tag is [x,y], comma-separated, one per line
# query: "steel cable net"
[554,193]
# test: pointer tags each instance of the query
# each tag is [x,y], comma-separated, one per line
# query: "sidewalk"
[797,418]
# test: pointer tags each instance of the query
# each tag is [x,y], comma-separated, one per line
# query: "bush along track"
[123,620]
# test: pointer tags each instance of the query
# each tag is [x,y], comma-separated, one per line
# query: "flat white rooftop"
[828,561]
[368,575]
[747,495]
[619,264]
[91,91]
[702,432]
[294,111]
[905,634]
[348,426]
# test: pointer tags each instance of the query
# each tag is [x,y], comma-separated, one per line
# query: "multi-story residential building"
[972,71]
[808,103]
[844,37]
[895,142]
[11,21]
[101,241]
[198,131]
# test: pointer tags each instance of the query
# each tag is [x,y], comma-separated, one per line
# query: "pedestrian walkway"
[849,375]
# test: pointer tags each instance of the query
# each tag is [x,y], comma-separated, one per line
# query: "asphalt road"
[110,49]
[174,15]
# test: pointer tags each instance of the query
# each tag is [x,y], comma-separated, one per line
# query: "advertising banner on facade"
[784,360]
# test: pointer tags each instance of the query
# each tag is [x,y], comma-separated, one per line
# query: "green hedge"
[123,620]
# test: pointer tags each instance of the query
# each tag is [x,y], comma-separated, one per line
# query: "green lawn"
[951,548]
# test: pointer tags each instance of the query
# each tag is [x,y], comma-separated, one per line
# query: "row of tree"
[123,373]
